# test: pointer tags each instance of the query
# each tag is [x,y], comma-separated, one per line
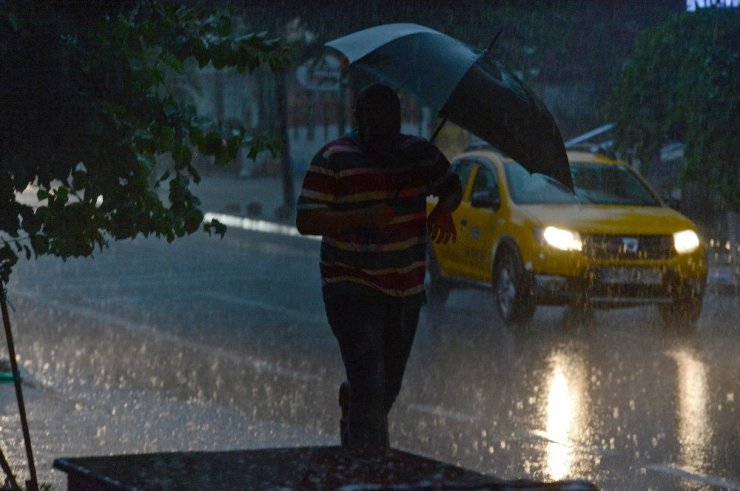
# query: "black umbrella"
[465,86]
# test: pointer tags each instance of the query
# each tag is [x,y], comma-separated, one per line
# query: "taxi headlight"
[685,241]
[565,240]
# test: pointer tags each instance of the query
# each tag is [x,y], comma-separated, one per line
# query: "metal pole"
[8,471]
[282,103]
[32,484]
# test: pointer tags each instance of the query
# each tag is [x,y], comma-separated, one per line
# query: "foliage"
[87,112]
[682,85]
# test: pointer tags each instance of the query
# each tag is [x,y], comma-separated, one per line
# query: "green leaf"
[195,134]
[193,219]
[162,178]
[194,172]
[14,22]
[166,140]
[215,226]
[79,180]
[173,62]
[183,157]
[233,145]
[60,196]
[213,143]
[40,244]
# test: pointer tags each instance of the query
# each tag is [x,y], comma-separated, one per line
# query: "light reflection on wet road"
[236,327]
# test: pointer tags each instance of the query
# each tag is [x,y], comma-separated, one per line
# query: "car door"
[477,222]
[449,256]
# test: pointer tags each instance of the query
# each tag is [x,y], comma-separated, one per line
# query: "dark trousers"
[375,334]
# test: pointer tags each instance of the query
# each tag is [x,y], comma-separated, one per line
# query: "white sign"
[322,75]
[692,5]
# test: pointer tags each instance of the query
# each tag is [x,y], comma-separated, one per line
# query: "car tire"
[682,313]
[512,289]
[437,287]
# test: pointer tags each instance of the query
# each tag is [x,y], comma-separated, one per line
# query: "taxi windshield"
[610,185]
[535,189]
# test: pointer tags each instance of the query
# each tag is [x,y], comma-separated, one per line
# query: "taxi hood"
[610,219]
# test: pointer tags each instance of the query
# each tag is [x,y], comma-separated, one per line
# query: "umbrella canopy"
[465,86]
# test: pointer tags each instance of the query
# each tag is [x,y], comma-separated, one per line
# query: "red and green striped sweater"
[342,177]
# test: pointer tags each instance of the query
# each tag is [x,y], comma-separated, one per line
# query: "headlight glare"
[565,240]
[685,241]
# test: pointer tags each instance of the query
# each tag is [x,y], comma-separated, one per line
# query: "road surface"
[211,343]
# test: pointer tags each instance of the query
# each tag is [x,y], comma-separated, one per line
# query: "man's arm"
[440,226]
[449,192]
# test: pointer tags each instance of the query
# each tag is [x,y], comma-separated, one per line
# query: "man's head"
[378,118]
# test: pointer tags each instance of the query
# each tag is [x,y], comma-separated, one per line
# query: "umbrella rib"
[493,41]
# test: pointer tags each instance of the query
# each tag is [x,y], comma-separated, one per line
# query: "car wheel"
[437,287]
[683,312]
[511,286]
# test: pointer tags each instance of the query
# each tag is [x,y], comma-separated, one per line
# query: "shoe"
[344,404]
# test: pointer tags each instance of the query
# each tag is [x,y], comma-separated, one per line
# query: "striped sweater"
[391,259]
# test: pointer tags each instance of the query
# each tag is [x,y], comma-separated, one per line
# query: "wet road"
[209,343]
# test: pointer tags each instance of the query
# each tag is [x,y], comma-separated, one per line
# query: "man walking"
[365,193]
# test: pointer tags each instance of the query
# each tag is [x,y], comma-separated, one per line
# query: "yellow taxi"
[612,243]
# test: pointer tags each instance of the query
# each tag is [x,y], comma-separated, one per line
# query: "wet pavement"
[157,355]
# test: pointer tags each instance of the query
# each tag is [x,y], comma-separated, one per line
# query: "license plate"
[631,276]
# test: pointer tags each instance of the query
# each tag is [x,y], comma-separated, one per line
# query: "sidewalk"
[83,420]
[255,197]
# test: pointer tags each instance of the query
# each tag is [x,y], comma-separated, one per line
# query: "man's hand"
[441,227]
